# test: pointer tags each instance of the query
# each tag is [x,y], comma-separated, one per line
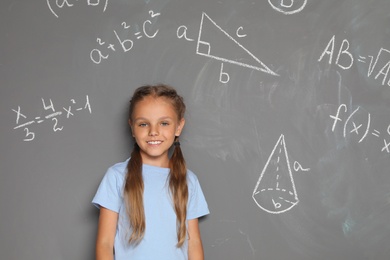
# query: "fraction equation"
[23,123]
[358,124]
[60,4]
[378,67]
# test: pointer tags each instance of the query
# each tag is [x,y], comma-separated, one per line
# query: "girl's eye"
[142,124]
[164,123]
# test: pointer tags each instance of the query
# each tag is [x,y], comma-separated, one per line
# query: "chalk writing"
[288,6]
[238,32]
[206,48]
[378,67]
[182,32]
[357,126]
[59,4]
[53,114]
[275,190]
[209,38]
[97,55]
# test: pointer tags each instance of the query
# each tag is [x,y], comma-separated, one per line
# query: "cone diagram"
[275,190]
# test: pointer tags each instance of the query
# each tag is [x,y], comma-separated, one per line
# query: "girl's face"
[154,125]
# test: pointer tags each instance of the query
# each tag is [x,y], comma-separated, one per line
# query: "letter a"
[384,71]
[327,51]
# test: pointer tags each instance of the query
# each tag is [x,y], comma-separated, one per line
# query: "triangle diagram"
[216,43]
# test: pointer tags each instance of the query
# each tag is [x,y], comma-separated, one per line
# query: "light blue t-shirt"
[160,237]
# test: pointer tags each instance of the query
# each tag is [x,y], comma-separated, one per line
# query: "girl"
[150,204]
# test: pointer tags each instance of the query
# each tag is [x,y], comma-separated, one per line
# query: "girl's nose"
[153,131]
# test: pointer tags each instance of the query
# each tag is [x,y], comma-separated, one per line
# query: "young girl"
[150,204]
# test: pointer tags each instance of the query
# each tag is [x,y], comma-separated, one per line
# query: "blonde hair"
[134,186]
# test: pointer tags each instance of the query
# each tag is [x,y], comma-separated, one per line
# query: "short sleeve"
[109,194]
[197,205]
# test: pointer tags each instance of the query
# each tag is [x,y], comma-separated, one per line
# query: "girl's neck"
[157,163]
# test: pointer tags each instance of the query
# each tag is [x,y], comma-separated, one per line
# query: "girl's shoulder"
[191,177]
[119,169]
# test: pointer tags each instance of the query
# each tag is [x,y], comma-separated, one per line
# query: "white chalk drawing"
[275,190]
[53,116]
[357,127]
[59,4]
[205,47]
[210,39]
[182,33]
[288,6]
[378,67]
[238,32]
[126,43]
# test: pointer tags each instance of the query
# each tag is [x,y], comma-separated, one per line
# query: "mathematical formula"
[378,67]
[125,39]
[23,123]
[99,54]
[354,125]
[60,4]
[204,46]
[283,6]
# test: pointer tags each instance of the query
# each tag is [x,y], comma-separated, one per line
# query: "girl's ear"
[180,127]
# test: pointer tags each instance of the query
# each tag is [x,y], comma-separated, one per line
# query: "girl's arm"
[195,247]
[106,234]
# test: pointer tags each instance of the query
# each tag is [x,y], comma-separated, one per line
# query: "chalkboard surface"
[288,123]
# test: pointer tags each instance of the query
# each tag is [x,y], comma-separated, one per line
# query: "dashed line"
[271,189]
[286,200]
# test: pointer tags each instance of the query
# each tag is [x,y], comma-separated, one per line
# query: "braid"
[179,188]
[134,188]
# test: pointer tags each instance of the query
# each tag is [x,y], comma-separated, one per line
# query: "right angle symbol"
[275,190]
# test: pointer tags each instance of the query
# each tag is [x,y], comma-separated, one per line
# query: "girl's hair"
[134,185]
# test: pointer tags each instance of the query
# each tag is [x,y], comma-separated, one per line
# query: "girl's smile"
[154,142]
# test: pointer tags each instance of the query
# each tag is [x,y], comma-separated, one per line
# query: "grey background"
[343,184]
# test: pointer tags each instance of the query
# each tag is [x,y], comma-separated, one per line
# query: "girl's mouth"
[154,142]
